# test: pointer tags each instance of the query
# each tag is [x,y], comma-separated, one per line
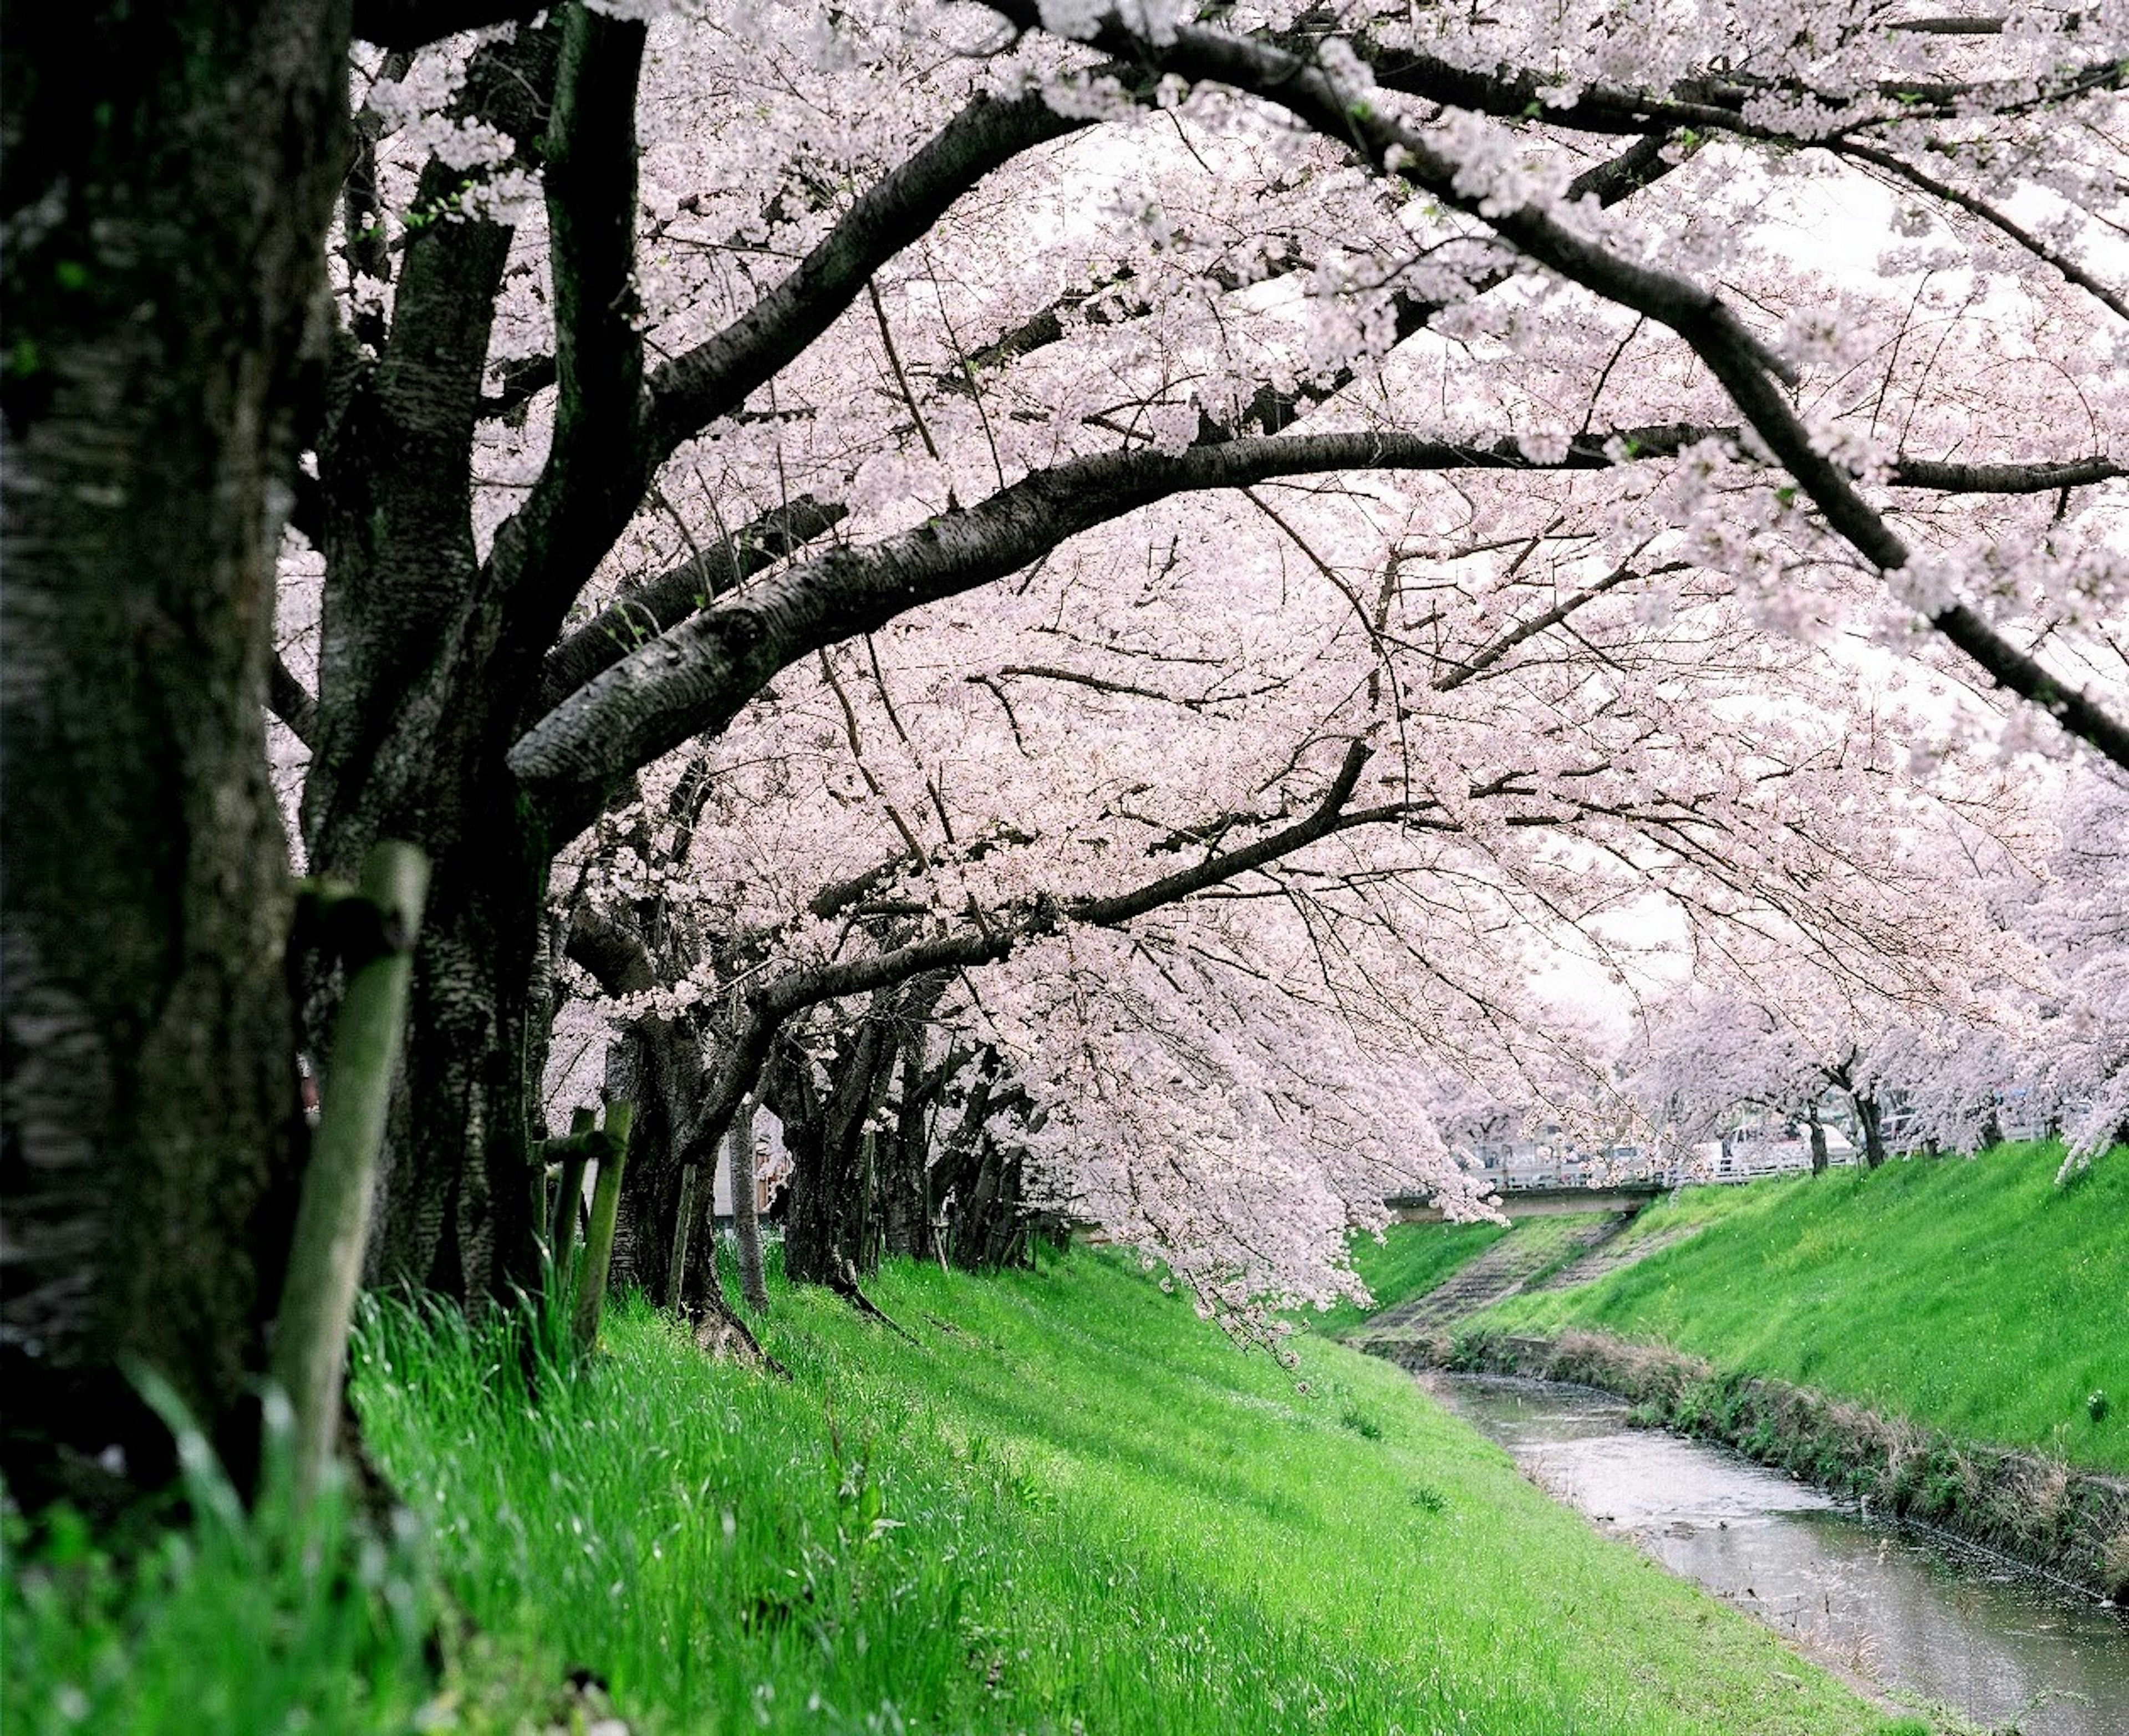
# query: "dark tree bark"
[905,1203]
[977,1185]
[422,679]
[746,1212]
[1819,1156]
[1870,1119]
[168,175]
[987,1228]
[658,1063]
[826,1234]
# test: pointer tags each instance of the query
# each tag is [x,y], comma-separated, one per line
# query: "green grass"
[1970,1294]
[1071,1506]
[1408,1260]
[265,1622]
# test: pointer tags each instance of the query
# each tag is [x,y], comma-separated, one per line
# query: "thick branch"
[618,961]
[1700,104]
[1269,410]
[595,472]
[715,378]
[641,614]
[2039,478]
[518,383]
[1748,371]
[696,676]
[290,701]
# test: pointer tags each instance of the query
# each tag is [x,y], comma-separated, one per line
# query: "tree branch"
[1700,103]
[1524,631]
[715,378]
[521,382]
[2071,270]
[771,1006]
[416,23]
[666,601]
[697,676]
[595,472]
[1750,372]
[290,701]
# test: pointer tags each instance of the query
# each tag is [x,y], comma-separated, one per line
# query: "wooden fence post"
[606,1207]
[676,1268]
[332,1215]
[569,1202]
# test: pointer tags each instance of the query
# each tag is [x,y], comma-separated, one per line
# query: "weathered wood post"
[676,1268]
[570,1200]
[606,1207]
[746,1208]
[332,1216]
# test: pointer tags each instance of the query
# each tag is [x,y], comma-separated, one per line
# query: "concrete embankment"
[2070,1523]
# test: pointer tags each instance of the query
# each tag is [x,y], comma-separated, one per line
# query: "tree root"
[720,1333]
[847,1289]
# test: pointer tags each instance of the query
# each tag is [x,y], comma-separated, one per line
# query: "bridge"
[1628,1197]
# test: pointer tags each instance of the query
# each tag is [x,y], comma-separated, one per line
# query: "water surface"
[1917,1614]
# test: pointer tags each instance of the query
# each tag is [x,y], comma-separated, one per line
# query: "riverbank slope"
[1968,1294]
[1061,1502]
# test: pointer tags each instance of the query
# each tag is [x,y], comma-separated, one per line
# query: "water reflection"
[1895,1606]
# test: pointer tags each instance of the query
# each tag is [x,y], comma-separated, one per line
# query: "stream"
[1915,1614]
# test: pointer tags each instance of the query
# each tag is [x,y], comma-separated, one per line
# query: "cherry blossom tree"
[1238,256]
[2079,916]
[1387,878]
[671,354]
[170,174]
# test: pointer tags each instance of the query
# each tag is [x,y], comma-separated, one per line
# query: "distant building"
[772,1165]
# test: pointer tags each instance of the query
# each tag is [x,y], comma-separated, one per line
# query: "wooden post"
[676,1268]
[570,1200]
[606,1207]
[746,1208]
[332,1215]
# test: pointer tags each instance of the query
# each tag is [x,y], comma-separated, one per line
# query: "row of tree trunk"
[894,1153]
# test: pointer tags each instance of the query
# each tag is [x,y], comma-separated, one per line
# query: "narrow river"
[1915,1614]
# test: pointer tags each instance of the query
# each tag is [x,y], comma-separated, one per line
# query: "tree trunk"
[1819,1159]
[459,1217]
[746,1212]
[701,1289]
[904,1209]
[425,675]
[988,1226]
[683,1229]
[953,1175]
[664,1069]
[169,175]
[1870,1119]
[825,1237]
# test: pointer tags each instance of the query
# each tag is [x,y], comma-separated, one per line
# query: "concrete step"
[1602,1261]
[1502,1270]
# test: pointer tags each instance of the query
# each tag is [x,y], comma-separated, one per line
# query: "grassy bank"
[1970,1294]
[1068,1505]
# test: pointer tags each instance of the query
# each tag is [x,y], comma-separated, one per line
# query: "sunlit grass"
[1070,1505]
[1972,1294]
